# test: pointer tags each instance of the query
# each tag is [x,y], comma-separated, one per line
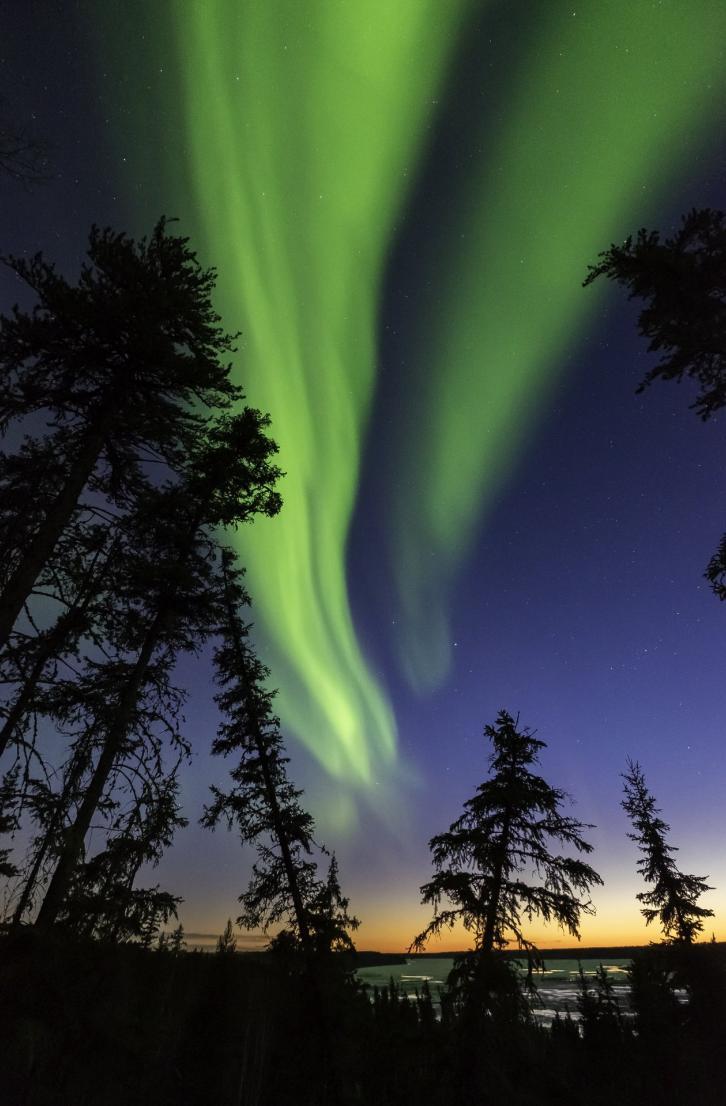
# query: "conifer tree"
[42,670]
[263,804]
[125,367]
[127,372]
[166,579]
[113,727]
[506,831]
[328,910]
[674,896]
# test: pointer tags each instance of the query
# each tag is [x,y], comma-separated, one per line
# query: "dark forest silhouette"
[130,456]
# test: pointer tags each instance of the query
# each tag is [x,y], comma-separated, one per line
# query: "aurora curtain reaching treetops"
[300,129]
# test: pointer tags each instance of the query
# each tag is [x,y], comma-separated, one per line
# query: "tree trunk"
[20,585]
[490,924]
[76,834]
[113,875]
[77,768]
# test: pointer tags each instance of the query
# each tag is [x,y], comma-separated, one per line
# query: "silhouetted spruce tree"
[331,922]
[682,281]
[29,477]
[673,899]
[167,578]
[264,805]
[125,367]
[507,831]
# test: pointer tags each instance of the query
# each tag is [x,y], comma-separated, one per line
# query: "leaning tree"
[673,896]
[166,581]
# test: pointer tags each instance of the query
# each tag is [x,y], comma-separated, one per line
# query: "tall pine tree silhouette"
[506,831]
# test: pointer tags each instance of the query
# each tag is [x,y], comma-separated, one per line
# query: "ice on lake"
[557,986]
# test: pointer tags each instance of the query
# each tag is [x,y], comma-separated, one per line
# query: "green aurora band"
[289,135]
[609,101]
[303,122]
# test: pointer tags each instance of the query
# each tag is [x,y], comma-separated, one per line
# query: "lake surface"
[557,985]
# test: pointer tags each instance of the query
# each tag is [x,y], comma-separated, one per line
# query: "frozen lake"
[557,985]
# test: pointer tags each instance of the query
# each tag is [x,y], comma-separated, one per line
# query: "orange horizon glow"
[447,948]
[396,939]
[596,934]
[390,922]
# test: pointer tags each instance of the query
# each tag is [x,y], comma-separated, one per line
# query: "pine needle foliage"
[681,280]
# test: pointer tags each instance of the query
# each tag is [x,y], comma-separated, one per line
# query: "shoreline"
[371,958]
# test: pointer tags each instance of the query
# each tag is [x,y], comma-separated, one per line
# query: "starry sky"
[480,513]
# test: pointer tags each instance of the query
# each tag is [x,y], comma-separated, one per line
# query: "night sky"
[402,200]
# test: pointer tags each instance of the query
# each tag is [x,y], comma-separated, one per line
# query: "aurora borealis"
[313,139]
[315,142]
[603,98]
[401,200]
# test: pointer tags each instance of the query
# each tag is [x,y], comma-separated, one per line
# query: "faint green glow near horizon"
[602,112]
[302,127]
